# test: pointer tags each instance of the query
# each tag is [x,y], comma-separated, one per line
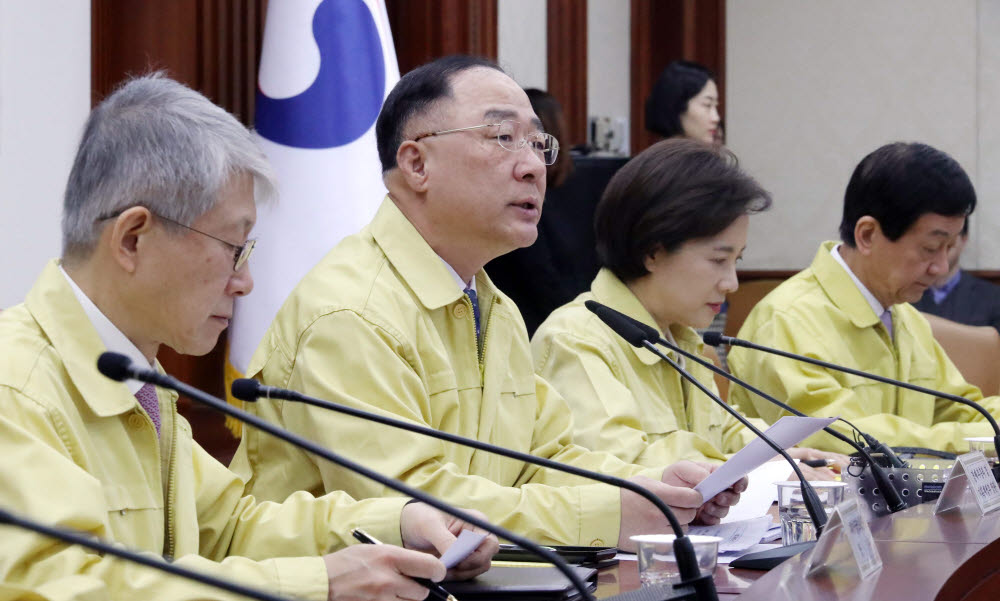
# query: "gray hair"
[159,144]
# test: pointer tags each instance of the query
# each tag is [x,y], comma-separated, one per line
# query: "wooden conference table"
[949,557]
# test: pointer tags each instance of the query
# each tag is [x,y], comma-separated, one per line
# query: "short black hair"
[674,191]
[413,94]
[899,183]
[678,84]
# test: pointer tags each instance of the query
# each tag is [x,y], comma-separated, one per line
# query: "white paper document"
[467,542]
[787,432]
[761,493]
[736,536]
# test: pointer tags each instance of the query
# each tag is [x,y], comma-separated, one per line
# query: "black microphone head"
[634,332]
[116,366]
[245,389]
[713,338]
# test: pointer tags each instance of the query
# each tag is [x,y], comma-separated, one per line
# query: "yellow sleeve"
[606,412]
[346,359]
[817,391]
[41,479]
[301,525]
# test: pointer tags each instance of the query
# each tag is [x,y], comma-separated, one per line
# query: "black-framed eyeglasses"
[241,252]
[545,145]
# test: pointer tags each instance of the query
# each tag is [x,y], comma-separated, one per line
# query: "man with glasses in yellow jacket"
[904,208]
[401,319]
[158,207]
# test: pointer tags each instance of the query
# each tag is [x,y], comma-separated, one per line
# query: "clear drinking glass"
[796,526]
[657,564]
[984,444]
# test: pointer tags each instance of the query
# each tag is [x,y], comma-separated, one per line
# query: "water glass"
[984,444]
[657,564]
[796,526]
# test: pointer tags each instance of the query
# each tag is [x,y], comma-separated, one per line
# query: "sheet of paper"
[467,542]
[787,432]
[761,493]
[736,536]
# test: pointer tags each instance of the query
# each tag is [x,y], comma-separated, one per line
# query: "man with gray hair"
[158,207]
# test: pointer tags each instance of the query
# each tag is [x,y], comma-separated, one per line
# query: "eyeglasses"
[241,252]
[544,145]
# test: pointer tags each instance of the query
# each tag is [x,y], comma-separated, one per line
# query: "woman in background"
[670,229]
[685,103]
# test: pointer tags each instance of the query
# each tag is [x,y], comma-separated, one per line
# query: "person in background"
[962,297]
[684,103]
[159,203]
[904,208]
[671,227]
[402,319]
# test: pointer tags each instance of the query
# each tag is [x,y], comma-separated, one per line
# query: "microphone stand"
[716,339]
[247,389]
[92,542]
[640,337]
[118,367]
[893,500]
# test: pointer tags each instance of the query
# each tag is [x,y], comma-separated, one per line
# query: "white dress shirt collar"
[865,292]
[113,338]
[458,279]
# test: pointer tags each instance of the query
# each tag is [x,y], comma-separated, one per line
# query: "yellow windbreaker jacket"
[625,400]
[819,312]
[79,452]
[381,325]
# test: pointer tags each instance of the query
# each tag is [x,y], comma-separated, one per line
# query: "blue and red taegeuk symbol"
[344,100]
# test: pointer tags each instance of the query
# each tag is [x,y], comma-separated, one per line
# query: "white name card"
[973,471]
[847,519]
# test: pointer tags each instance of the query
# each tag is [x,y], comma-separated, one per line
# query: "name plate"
[846,520]
[972,470]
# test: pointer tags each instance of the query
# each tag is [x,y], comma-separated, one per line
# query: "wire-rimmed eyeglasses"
[241,252]
[545,145]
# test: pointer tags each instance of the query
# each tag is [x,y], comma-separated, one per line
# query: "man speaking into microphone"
[904,208]
[401,319]
[159,203]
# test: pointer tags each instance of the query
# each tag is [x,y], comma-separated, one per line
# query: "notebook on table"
[528,583]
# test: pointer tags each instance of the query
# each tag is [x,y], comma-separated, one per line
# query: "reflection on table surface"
[624,577]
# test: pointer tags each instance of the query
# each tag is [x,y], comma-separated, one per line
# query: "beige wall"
[44,100]
[813,87]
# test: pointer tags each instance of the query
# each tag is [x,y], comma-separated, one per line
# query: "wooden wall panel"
[423,30]
[214,47]
[211,45]
[567,64]
[668,30]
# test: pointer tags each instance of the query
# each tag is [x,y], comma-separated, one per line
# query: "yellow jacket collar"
[62,319]
[417,263]
[841,289]
[611,291]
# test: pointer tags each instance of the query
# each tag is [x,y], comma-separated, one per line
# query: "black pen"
[438,593]
[819,462]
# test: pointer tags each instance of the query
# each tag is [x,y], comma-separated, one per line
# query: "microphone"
[716,339]
[893,499]
[250,390]
[119,367]
[90,541]
[640,337]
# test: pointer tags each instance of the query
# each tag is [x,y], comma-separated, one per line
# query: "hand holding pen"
[437,592]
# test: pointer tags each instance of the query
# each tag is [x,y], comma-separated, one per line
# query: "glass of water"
[796,526]
[657,564]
